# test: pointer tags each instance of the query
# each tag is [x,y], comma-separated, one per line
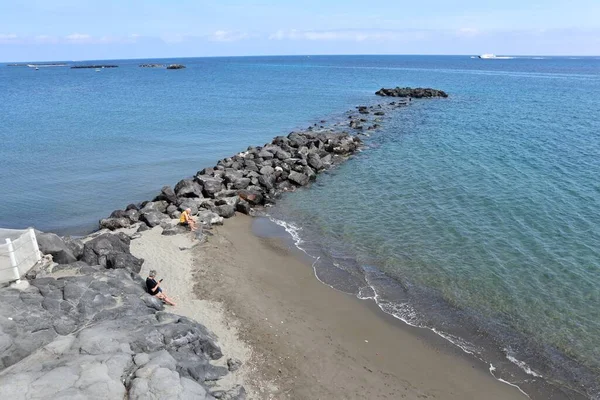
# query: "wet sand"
[309,341]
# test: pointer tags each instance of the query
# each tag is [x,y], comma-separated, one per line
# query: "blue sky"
[104,29]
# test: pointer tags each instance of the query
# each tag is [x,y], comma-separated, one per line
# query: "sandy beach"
[296,337]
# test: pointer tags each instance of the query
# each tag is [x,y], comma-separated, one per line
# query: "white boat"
[489,56]
[97,69]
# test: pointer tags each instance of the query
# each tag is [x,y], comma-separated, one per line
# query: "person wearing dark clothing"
[153,287]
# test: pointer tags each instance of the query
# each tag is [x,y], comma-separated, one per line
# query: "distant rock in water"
[417,93]
[93,66]
[176,66]
[152,65]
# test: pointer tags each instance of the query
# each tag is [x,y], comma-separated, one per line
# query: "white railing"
[19,252]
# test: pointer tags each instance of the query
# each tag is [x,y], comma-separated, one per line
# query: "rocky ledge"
[417,93]
[152,65]
[176,66]
[88,329]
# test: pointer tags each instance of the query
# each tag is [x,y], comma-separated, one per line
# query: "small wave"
[292,229]
[521,365]
[492,369]
[402,311]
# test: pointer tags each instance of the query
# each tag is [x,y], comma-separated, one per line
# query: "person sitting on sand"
[154,288]
[186,219]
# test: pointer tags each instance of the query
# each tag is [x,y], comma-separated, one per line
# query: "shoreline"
[314,342]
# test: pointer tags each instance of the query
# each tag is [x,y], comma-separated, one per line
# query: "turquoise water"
[482,208]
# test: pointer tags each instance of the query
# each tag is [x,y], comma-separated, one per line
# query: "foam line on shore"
[492,369]
[404,311]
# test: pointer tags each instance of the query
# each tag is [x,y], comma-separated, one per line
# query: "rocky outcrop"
[152,65]
[94,332]
[417,93]
[98,334]
[52,244]
[176,66]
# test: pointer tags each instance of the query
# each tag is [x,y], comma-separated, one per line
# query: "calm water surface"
[482,208]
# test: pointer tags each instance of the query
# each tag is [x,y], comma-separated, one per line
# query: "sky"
[37,30]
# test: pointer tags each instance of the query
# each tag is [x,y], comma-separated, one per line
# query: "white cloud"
[78,37]
[468,32]
[45,39]
[228,36]
[8,38]
[348,35]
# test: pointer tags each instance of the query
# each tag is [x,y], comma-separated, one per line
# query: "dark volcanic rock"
[210,184]
[167,194]
[298,178]
[49,243]
[96,250]
[314,161]
[125,261]
[153,218]
[225,210]
[118,214]
[176,66]
[100,335]
[155,206]
[188,188]
[133,215]
[243,207]
[417,93]
[114,223]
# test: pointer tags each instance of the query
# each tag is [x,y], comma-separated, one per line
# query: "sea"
[475,216]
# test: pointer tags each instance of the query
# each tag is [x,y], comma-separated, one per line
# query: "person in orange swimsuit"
[187,219]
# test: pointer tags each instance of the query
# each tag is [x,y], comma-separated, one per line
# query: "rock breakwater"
[257,176]
[417,93]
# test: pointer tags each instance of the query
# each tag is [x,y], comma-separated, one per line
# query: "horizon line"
[299,55]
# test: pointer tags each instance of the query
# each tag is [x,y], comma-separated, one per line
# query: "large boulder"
[243,207]
[125,261]
[167,194]
[133,215]
[49,243]
[267,181]
[266,155]
[155,206]
[225,210]
[209,218]
[114,223]
[153,218]
[298,178]
[96,250]
[267,170]
[188,188]
[240,183]
[253,197]
[210,184]
[314,161]
[75,245]
[297,139]
[118,214]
